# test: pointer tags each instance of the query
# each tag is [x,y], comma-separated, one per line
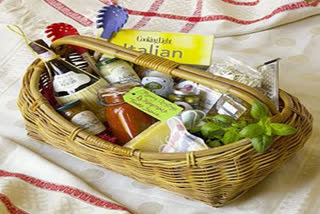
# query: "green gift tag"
[151,104]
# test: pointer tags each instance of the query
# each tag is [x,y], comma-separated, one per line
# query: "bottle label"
[117,72]
[89,122]
[69,81]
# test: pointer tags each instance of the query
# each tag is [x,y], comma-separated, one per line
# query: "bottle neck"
[57,66]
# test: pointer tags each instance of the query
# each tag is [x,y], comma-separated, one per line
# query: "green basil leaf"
[257,143]
[236,125]
[268,130]
[239,124]
[266,142]
[267,127]
[251,131]
[224,118]
[264,121]
[261,143]
[208,129]
[213,143]
[243,123]
[259,110]
[230,136]
[211,119]
[195,129]
[218,134]
[282,129]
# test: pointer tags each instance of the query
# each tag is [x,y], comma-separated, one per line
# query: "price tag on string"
[151,104]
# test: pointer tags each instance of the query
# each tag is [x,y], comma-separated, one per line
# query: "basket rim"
[35,76]
[169,67]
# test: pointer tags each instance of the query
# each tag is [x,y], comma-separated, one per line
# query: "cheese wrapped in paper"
[151,139]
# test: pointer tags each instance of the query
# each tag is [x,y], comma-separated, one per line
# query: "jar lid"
[68,105]
[183,92]
[107,61]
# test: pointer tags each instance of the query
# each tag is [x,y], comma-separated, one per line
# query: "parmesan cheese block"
[152,139]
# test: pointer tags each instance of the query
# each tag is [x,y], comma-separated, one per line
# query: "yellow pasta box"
[179,47]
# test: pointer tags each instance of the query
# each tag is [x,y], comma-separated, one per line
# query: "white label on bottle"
[122,73]
[89,122]
[69,81]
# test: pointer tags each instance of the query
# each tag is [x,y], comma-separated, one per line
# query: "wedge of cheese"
[152,139]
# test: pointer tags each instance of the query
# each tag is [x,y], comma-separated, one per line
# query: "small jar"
[157,82]
[125,121]
[78,114]
[117,70]
[186,99]
[153,73]
[158,85]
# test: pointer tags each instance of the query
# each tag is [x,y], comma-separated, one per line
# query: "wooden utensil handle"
[92,63]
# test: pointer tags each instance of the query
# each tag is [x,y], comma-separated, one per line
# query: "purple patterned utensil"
[111,18]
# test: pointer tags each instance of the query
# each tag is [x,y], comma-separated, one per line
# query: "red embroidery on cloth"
[74,192]
[69,12]
[10,207]
[86,22]
[197,12]
[241,3]
[154,7]
[287,7]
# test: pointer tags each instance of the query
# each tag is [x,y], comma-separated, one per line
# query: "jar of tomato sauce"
[125,121]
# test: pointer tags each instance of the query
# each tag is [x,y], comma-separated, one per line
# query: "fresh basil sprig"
[223,129]
[261,132]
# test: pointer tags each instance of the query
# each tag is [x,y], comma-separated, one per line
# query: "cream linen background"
[294,188]
[24,193]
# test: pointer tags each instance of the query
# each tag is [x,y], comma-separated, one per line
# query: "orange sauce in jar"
[125,121]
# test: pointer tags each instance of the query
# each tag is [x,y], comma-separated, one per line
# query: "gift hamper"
[214,176]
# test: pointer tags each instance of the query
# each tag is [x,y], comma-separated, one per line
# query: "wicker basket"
[215,176]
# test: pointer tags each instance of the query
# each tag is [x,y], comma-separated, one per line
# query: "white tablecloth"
[294,188]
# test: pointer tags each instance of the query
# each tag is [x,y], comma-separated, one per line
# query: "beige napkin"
[31,184]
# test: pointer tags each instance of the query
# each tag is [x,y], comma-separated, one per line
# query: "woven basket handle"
[166,66]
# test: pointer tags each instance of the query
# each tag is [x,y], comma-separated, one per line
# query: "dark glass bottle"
[66,78]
